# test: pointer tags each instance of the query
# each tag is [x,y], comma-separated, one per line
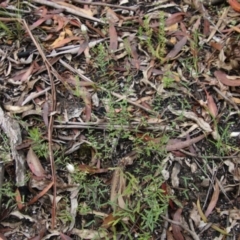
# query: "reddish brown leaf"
[135,56]
[86,97]
[222,77]
[82,47]
[206,27]
[25,144]
[34,164]
[39,195]
[40,21]
[164,187]
[183,144]
[235,5]
[19,200]
[177,48]
[176,228]
[212,107]
[175,18]
[26,75]
[2,237]
[62,21]
[213,201]
[108,221]
[65,237]
[113,37]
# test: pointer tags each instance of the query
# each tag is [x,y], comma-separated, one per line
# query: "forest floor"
[119,120]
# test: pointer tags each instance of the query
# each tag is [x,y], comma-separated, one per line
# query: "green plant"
[194,45]
[65,216]
[7,191]
[39,146]
[155,46]
[102,59]
[5,151]
[5,30]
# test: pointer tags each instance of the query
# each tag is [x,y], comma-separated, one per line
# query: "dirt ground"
[119,120]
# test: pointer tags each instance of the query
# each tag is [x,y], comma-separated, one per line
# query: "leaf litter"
[121,118]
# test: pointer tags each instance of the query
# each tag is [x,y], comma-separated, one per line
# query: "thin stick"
[207,157]
[107,5]
[51,120]
[68,8]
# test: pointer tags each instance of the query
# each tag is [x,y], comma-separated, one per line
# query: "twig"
[209,156]
[61,5]
[107,5]
[133,103]
[51,119]
[105,126]
[2,168]
[187,143]
[164,231]
[193,234]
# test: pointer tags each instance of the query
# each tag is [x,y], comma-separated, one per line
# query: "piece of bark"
[12,129]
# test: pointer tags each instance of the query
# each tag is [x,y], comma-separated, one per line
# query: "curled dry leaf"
[18,109]
[191,115]
[19,215]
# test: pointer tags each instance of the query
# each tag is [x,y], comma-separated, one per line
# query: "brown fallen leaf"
[176,228]
[40,21]
[177,48]
[118,185]
[212,107]
[34,164]
[27,74]
[42,193]
[18,199]
[175,18]
[113,37]
[222,77]
[108,221]
[184,144]
[65,237]
[86,97]
[214,200]
[2,237]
